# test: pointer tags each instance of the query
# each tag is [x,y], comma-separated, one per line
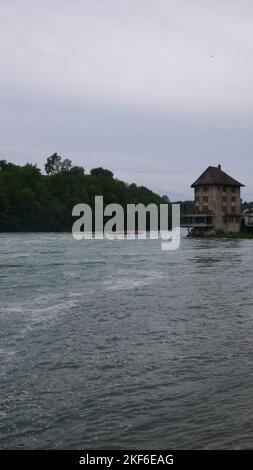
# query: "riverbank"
[244,234]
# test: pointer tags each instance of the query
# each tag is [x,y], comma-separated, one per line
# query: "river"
[120,345]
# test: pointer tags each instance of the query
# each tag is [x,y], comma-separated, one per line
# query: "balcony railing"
[197,220]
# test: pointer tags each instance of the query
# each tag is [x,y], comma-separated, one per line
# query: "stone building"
[217,204]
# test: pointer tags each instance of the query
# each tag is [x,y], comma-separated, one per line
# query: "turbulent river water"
[119,345]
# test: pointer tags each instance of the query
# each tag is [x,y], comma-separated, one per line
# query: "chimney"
[219,166]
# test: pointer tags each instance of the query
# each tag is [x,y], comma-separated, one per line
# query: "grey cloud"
[130,85]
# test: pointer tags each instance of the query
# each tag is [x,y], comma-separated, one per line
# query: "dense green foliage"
[247,206]
[186,207]
[31,201]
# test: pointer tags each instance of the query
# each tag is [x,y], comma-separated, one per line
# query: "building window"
[224,189]
[233,208]
[205,188]
[233,198]
[233,189]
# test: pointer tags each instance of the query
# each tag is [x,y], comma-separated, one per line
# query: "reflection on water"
[121,345]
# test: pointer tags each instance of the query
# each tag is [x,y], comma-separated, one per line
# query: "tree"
[66,165]
[35,202]
[101,172]
[77,170]
[53,164]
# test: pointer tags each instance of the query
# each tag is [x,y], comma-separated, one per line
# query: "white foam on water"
[127,283]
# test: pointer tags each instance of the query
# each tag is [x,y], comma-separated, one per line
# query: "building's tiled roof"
[214,175]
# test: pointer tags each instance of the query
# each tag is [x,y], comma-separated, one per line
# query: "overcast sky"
[155,90]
